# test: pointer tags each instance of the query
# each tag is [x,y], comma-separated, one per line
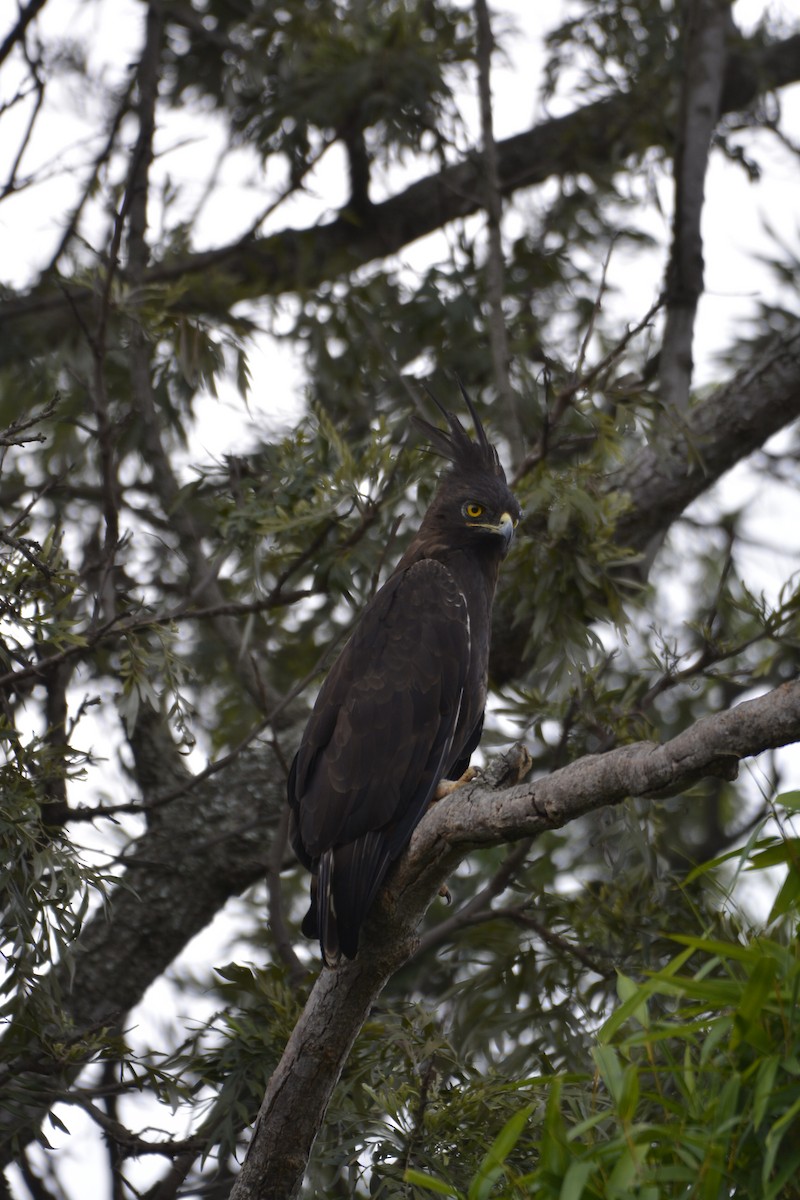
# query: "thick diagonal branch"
[663,478]
[300,1088]
[200,848]
[606,131]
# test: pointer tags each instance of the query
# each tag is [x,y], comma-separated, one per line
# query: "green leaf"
[628,989]
[577,1176]
[629,1096]
[759,986]
[728,1101]
[610,1069]
[765,1078]
[790,800]
[554,1150]
[492,1165]
[773,1145]
[421,1179]
[786,850]
[788,895]
[657,985]
[786,1171]
[626,1170]
[716,1034]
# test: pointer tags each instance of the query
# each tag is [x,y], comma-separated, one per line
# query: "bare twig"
[131,1143]
[478,909]
[28,550]
[12,435]
[121,109]
[11,183]
[294,185]
[596,307]
[17,32]
[564,398]
[521,916]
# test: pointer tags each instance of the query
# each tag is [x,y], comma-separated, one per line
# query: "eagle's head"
[474,508]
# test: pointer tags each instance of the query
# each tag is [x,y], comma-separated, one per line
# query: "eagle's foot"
[444,892]
[446,786]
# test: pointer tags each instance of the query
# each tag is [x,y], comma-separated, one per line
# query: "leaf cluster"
[300,76]
[695,1090]
[608,44]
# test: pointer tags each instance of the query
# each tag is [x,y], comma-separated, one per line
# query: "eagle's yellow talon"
[449,785]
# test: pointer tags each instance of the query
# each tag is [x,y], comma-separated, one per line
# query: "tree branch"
[607,131]
[722,430]
[495,263]
[298,1093]
[120,112]
[26,14]
[208,845]
[187,526]
[706,31]
[664,477]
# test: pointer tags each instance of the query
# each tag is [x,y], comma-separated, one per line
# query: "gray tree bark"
[708,28]
[200,848]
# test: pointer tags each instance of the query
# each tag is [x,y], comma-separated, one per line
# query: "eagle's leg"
[446,786]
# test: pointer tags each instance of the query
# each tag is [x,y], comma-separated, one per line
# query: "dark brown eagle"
[402,707]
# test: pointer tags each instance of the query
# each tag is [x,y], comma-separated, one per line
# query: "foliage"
[170,597]
[695,1090]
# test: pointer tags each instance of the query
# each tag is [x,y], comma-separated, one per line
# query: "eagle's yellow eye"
[473,510]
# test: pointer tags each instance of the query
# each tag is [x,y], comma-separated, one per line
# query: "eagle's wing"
[378,741]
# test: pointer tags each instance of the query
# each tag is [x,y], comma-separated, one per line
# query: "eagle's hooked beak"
[506,528]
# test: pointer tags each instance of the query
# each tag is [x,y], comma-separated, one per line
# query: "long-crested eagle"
[402,707]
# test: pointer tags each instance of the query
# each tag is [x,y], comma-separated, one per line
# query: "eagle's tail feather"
[352,875]
[327,922]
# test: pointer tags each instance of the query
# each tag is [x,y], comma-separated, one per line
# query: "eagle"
[402,707]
